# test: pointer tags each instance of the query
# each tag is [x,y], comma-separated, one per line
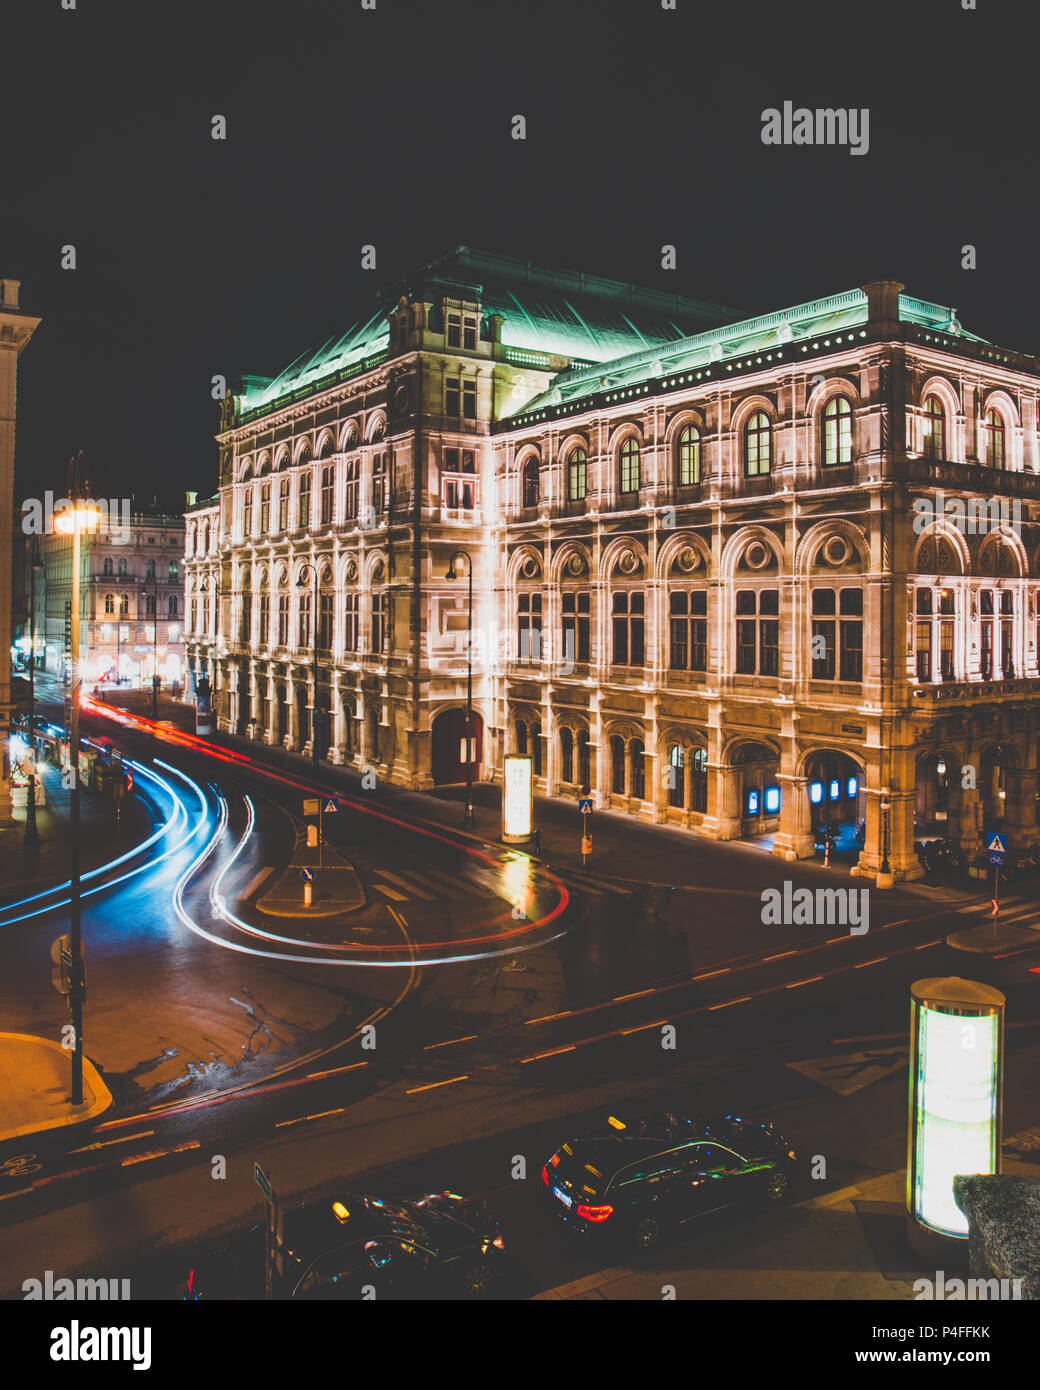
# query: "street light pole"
[467,818]
[155,647]
[885,813]
[32,835]
[314,620]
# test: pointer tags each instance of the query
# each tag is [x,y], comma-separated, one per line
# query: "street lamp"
[301,583]
[32,835]
[885,810]
[467,818]
[74,520]
[155,646]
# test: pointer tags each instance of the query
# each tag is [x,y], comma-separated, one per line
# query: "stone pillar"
[1020,808]
[794,839]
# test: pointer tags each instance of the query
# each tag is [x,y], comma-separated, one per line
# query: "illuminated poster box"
[956,1076]
[517,798]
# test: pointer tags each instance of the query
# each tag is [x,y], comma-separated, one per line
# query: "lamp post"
[155,646]
[885,824]
[73,521]
[301,583]
[467,818]
[32,835]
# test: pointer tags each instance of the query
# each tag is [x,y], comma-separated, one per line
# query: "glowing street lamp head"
[81,516]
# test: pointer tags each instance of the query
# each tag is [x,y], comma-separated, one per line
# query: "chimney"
[9,293]
[190,499]
[883,305]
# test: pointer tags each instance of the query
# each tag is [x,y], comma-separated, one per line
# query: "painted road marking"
[255,882]
[105,1142]
[392,893]
[468,1038]
[434,1084]
[302,1121]
[548,1018]
[403,883]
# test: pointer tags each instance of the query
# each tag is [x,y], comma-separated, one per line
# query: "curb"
[101,1101]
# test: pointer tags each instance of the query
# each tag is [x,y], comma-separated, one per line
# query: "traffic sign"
[997,843]
[329,805]
[307,875]
[311,805]
[996,859]
[585,806]
[263,1182]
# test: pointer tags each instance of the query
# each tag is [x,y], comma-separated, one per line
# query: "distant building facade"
[739,575]
[131,600]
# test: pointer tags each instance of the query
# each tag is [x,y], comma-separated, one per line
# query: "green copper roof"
[564,313]
[832,316]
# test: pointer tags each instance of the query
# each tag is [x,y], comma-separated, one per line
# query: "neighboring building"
[16,328]
[131,597]
[701,585]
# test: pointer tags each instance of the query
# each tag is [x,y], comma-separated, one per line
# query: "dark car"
[437,1246]
[638,1179]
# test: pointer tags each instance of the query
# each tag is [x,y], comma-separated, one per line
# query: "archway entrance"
[836,795]
[756,768]
[447,739]
[937,809]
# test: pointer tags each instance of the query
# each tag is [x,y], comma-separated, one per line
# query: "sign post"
[997,850]
[517,798]
[585,807]
[272,1228]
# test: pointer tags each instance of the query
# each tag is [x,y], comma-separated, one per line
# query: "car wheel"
[476,1282]
[776,1187]
[647,1233]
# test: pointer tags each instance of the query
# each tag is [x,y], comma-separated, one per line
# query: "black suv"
[638,1179]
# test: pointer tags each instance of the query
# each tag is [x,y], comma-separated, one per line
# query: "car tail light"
[594,1213]
[191,1280]
[545,1175]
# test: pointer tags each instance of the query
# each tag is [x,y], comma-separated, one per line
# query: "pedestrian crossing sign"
[329,805]
[997,844]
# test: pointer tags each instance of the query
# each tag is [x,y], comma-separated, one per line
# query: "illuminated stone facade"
[700,581]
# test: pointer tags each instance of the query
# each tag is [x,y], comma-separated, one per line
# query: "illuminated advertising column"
[517,798]
[956,1089]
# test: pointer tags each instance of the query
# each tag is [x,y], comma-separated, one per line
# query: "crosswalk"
[428,885]
[1017,912]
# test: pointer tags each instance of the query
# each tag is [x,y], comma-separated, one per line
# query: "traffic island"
[334,885]
[35,1081]
[991,941]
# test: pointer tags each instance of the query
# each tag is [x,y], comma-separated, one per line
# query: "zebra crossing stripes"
[590,883]
[1013,912]
[431,884]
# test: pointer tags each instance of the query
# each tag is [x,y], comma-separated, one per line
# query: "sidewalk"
[848,1244]
[24,872]
[35,1081]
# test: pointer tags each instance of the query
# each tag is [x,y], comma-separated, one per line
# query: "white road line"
[255,882]
[391,893]
[103,1144]
[434,1084]
[403,883]
[469,1038]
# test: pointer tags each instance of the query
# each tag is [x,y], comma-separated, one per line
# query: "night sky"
[392,127]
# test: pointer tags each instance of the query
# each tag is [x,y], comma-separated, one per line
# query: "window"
[328,492]
[303,627]
[566,756]
[350,623]
[638,766]
[757,445]
[823,634]
[758,632]
[627,615]
[577,624]
[149,605]
[303,504]
[121,567]
[283,504]
[469,334]
[584,760]
[283,619]
[459,494]
[1007,631]
[265,508]
[578,476]
[837,631]
[699,780]
[247,617]
[451,398]
[933,429]
[688,631]
[110,601]
[350,509]
[174,569]
[107,567]
[380,483]
[460,461]
[536,750]
[124,604]
[454,331]
[265,618]
[247,512]
[378,622]
[194,615]
[529,628]
[676,777]
[149,569]
[326,602]
[530,484]
[924,634]
[993,439]
[628,466]
[173,607]
[617,765]
[837,431]
[688,457]
[469,400]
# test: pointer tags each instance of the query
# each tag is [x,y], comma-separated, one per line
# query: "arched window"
[122,567]
[108,565]
[758,439]
[628,465]
[584,760]
[578,476]
[993,451]
[521,736]
[149,570]
[566,756]
[149,605]
[124,604]
[531,483]
[699,780]
[688,457]
[676,777]
[638,766]
[110,601]
[617,765]
[837,431]
[933,435]
[172,607]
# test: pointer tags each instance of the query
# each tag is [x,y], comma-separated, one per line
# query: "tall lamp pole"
[301,583]
[32,835]
[467,818]
[74,520]
[155,646]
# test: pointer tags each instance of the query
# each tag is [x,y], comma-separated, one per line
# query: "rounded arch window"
[578,475]
[993,440]
[566,755]
[837,431]
[617,765]
[530,483]
[758,445]
[933,430]
[688,456]
[629,465]
[677,777]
